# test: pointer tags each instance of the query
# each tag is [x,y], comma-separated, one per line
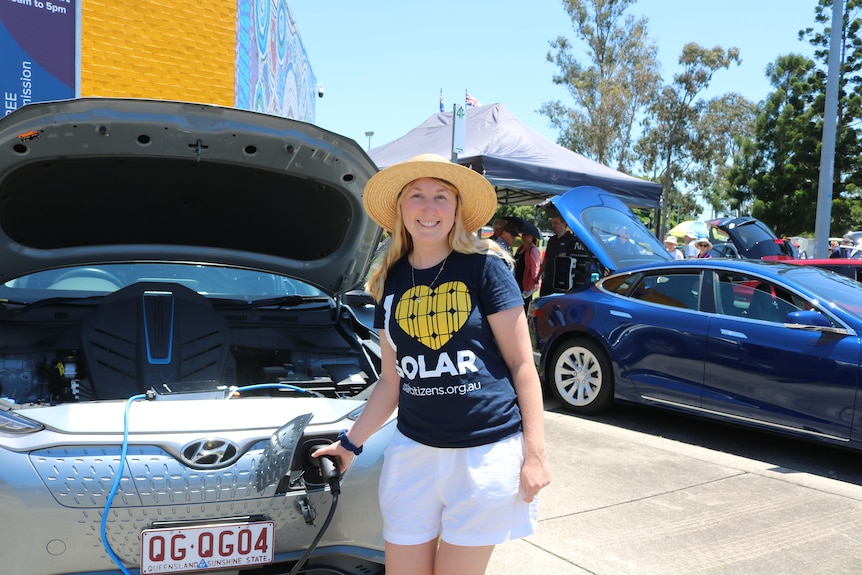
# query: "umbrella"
[698,227]
[524,226]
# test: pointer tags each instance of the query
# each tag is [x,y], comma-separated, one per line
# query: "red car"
[852,268]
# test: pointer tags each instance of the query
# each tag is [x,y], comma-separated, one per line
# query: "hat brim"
[531,230]
[478,198]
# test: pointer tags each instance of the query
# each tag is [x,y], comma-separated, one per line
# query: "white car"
[174,342]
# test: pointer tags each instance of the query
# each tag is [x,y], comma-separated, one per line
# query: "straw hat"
[478,198]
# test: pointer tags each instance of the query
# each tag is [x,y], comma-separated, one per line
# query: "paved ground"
[628,502]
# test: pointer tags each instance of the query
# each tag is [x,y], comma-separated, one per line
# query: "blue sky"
[383,63]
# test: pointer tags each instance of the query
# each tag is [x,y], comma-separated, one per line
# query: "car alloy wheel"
[581,377]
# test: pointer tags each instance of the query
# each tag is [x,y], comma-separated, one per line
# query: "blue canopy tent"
[524,167]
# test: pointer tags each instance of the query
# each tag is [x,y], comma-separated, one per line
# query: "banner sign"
[38,43]
[459,129]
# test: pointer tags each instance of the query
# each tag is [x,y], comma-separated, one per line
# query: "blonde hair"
[401,243]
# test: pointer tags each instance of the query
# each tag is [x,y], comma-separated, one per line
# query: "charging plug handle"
[328,468]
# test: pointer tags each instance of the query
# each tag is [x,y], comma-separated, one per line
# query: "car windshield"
[207,280]
[833,290]
[625,240]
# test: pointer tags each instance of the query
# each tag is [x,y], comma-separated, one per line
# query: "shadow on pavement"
[779,451]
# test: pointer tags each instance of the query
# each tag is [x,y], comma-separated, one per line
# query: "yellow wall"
[166,49]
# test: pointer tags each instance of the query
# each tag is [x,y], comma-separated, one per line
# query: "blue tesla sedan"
[764,344]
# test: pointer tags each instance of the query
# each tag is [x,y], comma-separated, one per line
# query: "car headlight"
[13,424]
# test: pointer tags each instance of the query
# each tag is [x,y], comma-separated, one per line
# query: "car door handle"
[732,333]
[621,314]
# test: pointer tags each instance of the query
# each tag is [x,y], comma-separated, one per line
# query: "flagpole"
[454,153]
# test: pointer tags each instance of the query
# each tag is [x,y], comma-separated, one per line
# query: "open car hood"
[595,216]
[101,180]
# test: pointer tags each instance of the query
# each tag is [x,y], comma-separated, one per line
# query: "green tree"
[721,130]
[672,147]
[611,89]
[776,173]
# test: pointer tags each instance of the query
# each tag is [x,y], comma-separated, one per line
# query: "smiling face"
[428,210]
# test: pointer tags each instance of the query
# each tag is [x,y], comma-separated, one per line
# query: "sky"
[383,63]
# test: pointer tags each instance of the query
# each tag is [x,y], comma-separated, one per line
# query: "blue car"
[765,344]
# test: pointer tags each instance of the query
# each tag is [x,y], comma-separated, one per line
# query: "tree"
[721,130]
[672,147]
[777,171]
[609,91]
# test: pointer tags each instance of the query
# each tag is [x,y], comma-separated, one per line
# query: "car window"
[671,289]
[741,295]
[620,284]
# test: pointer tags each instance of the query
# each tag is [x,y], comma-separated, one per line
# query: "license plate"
[224,546]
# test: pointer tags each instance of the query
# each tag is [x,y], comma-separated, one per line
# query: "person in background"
[689,250]
[622,242]
[528,261]
[507,237]
[561,243]
[703,246]
[843,250]
[467,458]
[497,225]
[671,243]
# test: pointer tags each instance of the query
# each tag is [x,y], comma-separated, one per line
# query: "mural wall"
[273,73]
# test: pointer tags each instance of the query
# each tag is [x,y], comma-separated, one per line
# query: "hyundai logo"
[210,453]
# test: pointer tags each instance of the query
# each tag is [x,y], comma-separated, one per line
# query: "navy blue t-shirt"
[456,390]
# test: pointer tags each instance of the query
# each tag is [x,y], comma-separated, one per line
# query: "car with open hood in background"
[174,342]
[765,344]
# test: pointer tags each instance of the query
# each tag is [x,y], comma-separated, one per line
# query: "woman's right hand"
[343,456]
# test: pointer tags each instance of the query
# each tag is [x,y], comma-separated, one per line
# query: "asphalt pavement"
[626,500]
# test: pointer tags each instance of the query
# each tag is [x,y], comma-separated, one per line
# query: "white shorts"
[469,496]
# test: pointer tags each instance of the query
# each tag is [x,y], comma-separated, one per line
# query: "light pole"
[369,134]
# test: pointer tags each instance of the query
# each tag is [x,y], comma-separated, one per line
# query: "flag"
[441,99]
[471,101]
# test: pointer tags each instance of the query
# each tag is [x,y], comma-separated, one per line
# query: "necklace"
[431,285]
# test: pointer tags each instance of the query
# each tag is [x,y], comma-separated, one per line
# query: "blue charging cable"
[117,478]
[235,389]
[119,475]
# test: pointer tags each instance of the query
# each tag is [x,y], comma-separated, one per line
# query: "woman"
[468,457]
[528,260]
[671,244]
[703,246]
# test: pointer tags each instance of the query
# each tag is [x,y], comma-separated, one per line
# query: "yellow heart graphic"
[433,316]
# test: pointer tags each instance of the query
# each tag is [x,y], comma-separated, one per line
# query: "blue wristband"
[345,443]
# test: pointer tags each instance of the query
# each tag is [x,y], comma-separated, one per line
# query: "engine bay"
[168,339]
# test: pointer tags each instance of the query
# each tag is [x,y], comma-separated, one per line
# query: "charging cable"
[332,477]
[117,478]
[238,390]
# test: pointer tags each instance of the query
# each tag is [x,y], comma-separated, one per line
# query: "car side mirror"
[809,317]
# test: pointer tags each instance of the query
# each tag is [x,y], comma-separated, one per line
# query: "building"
[241,53]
